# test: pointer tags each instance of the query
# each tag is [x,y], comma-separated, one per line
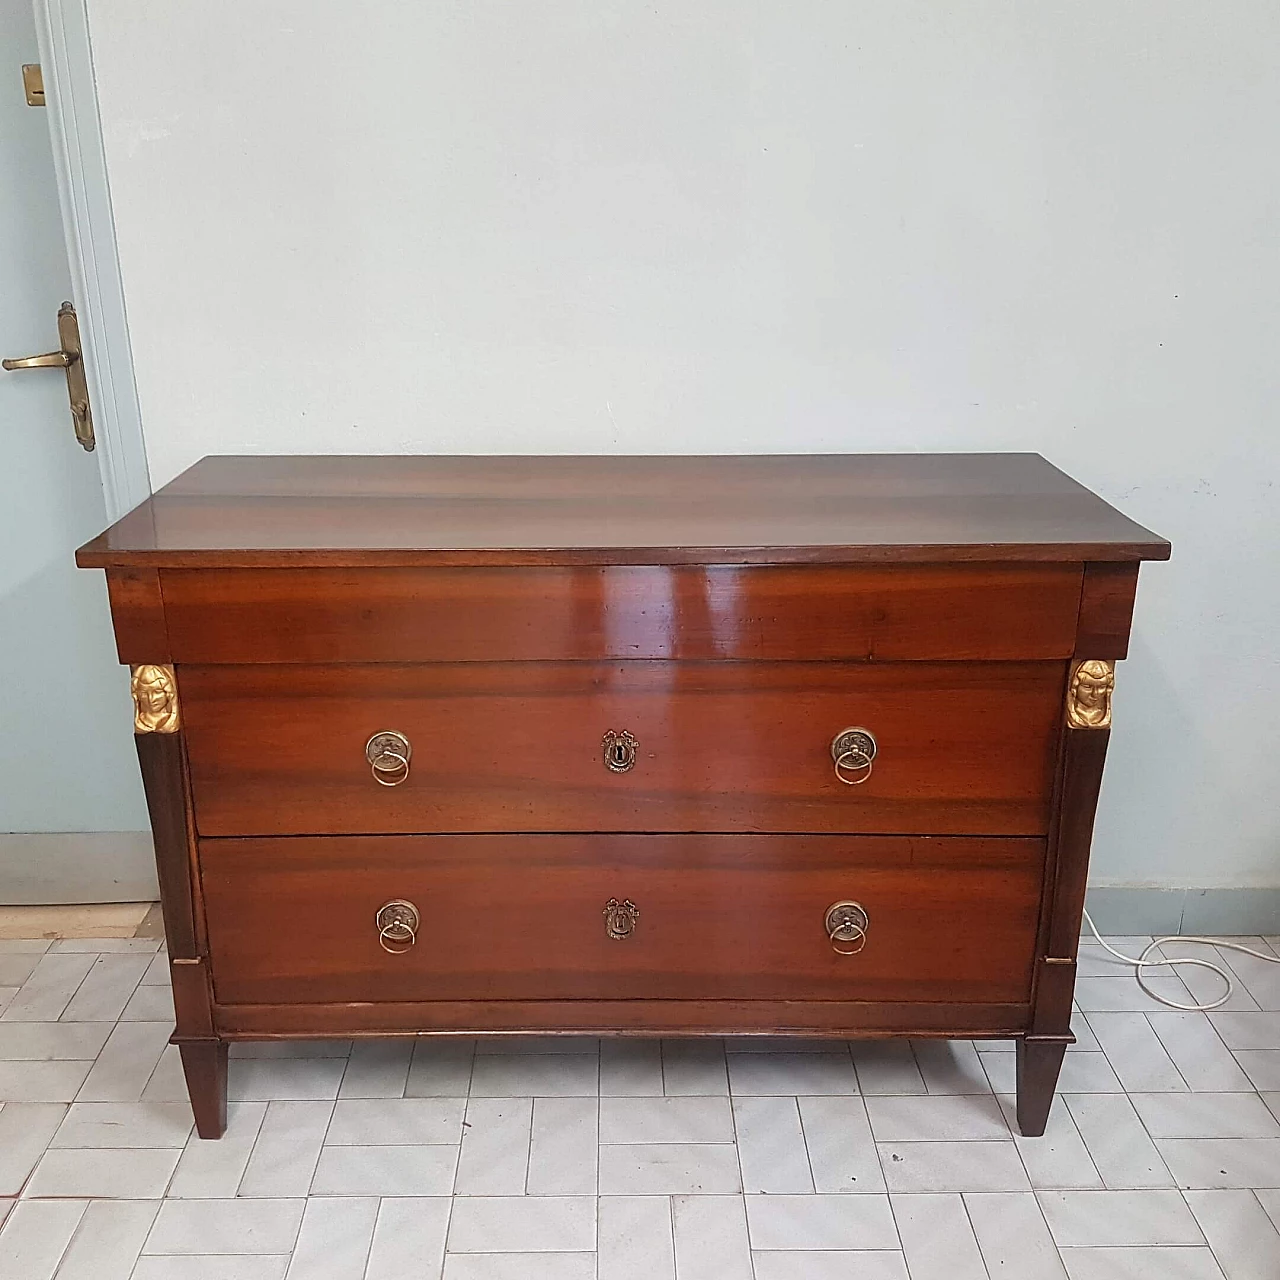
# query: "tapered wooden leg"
[204,1063]
[1039,1062]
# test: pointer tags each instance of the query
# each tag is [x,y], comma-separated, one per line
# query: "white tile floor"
[555,1160]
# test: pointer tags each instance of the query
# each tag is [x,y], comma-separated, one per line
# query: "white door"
[73,826]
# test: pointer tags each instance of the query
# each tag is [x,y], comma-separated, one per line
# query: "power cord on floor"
[1142,963]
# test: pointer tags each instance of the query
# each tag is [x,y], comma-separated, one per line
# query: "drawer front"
[962,748]
[523,918]
[695,612]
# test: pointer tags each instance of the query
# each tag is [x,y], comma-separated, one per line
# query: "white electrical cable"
[1142,963]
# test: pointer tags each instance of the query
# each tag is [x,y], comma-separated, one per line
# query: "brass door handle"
[53,360]
[68,358]
[388,754]
[854,751]
[397,923]
[846,924]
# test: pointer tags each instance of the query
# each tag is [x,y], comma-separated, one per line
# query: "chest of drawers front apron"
[960,748]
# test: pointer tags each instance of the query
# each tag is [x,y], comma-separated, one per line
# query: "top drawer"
[592,613]
[962,748]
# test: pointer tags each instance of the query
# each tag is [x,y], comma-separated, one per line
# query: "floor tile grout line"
[1102,1048]
[152,1073]
[99,955]
[737,1145]
[671,1228]
[804,1137]
[1216,1035]
[471,1069]
[596,1205]
[991,1084]
[1254,1190]
[1075,1128]
[1182,1195]
[368,1253]
[911,1049]
[1159,1154]
[32,974]
[448,1220]
[75,993]
[1226,955]
[253,1147]
[324,1139]
[1146,1017]
[528,1155]
[875,1143]
[1035,1195]
[62,1257]
[173,1173]
[977,1244]
[853,1057]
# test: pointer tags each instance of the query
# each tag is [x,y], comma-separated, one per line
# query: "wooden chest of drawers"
[646,746]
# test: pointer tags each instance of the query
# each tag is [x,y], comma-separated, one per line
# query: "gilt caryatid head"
[155,700]
[1089,702]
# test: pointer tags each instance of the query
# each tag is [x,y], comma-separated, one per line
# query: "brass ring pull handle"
[847,924]
[620,918]
[397,923]
[853,768]
[388,754]
[854,752]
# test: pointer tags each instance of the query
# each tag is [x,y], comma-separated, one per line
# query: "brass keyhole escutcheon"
[388,754]
[619,750]
[846,924]
[397,923]
[620,918]
[854,751]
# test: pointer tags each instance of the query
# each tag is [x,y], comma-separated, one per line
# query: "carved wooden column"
[1105,610]
[157,725]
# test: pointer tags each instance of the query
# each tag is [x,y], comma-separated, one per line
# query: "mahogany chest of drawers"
[636,746]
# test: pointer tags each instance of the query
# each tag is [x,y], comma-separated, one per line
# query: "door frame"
[80,162]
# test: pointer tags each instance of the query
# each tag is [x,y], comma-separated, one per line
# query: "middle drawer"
[961,748]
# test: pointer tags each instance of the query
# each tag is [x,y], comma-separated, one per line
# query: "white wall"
[755,225]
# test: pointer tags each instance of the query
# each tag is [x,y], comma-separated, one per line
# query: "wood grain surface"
[847,508]
[721,917]
[814,612]
[686,1019]
[964,748]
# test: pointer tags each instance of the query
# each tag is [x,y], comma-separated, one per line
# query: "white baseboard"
[77,867]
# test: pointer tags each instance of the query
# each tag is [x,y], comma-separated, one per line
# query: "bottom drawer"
[523,918]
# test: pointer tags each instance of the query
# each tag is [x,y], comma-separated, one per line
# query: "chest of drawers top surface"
[438,511]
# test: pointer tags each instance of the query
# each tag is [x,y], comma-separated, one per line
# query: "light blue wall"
[66,755]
